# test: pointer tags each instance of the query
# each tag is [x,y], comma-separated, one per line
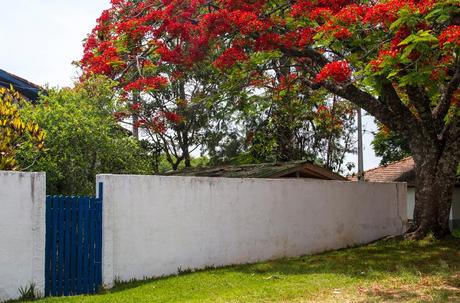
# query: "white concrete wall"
[22,232]
[153,225]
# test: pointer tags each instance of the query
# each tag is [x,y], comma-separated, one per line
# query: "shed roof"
[24,87]
[297,169]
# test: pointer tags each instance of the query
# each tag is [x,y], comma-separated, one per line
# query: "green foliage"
[83,139]
[15,133]
[28,293]
[389,146]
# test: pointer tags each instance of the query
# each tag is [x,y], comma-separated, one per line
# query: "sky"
[41,39]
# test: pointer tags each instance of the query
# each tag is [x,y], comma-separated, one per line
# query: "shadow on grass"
[428,256]
[366,263]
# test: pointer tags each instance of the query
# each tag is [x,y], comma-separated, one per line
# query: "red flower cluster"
[247,22]
[351,14]
[387,12]
[229,57]
[103,61]
[339,71]
[383,55]
[342,33]
[173,117]
[456,98]
[451,36]
[119,116]
[136,106]
[306,37]
[157,125]
[322,108]
[145,84]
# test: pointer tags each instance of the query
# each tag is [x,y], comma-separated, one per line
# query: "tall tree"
[397,59]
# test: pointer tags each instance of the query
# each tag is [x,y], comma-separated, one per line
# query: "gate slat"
[79,246]
[85,263]
[67,247]
[61,245]
[73,240]
[48,240]
[73,221]
[91,241]
[53,248]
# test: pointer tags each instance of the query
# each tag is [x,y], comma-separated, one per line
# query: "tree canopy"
[397,59]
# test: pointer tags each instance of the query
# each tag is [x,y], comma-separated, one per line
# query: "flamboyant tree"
[397,59]
[285,121]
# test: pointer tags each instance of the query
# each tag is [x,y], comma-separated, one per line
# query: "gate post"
[103,182]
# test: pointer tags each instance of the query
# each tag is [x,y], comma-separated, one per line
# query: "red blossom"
[136,106]
[342,33]
[456,98]
[451,36]
[173,117]
[339,71]
[229,57]
[157,125]
[145,84]
[119,116]
[383,55]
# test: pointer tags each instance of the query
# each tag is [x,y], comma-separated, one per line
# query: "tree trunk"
[434,184]
[284,139]
[187,159]
[135,117]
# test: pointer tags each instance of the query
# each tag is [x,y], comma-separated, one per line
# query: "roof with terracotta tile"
[401,171]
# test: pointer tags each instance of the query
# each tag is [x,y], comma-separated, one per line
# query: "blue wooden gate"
[73,245]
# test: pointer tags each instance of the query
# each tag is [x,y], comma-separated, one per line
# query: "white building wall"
[454,213]
[410,202]
[153,225]
[22,232]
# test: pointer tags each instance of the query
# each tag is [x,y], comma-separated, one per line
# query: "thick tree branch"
[422,103]
[440,111]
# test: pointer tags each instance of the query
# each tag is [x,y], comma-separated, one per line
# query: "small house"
[27,89]
[404,171]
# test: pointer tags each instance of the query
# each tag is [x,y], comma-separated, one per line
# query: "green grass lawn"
[389,271]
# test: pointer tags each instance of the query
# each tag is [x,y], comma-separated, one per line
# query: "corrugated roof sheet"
[300,169]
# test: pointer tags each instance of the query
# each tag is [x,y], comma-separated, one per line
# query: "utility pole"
[360,147]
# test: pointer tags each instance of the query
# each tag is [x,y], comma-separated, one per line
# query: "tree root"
[415,235]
